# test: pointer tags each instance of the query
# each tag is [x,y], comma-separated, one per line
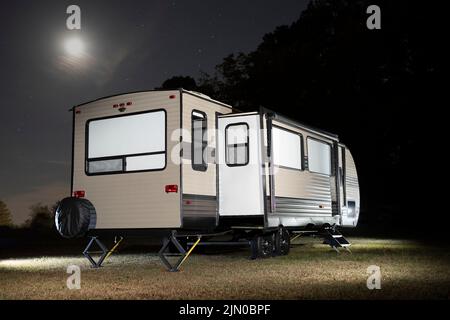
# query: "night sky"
[130,46]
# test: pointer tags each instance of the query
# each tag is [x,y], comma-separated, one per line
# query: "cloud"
[106,68]
[19,204]
[100,69]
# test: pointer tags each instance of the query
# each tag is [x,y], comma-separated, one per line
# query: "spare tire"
[74,217]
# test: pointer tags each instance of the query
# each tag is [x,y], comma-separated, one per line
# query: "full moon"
[74,47]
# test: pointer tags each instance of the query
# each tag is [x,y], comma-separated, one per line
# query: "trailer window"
[319,157]
[237,145]
[287,148]
[199,141]
[131,143]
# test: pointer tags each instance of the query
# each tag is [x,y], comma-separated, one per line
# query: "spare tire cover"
[74,217]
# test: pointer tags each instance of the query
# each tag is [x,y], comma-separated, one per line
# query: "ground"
[409,270]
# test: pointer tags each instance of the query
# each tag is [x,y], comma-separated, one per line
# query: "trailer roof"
[276,115]
[193,93]
[295,123]
[205,97]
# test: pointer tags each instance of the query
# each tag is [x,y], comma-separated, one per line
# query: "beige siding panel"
[197,182]
[302,184]
[131,200]
[351,178]
[305,185]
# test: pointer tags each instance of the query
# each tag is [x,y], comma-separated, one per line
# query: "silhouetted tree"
[5,215]
[372,87]
[41,217]
[230,80]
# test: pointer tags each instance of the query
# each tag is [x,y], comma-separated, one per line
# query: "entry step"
[335,239]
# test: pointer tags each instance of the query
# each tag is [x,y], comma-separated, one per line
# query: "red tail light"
[79,194]
[172,188]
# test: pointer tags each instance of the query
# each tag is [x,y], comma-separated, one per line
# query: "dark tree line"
[5,215]
[372,87]
[41,217]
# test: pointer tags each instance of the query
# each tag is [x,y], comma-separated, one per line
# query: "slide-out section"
[302,177]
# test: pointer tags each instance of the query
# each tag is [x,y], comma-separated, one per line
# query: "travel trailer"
[180,162]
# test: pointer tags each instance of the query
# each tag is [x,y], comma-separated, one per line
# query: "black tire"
[265,246]
[74,217]
[254,248]
[282,242]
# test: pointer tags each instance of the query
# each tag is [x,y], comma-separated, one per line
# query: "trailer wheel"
[262,246]
[254,248]
[282,242]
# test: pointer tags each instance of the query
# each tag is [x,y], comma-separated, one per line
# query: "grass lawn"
[312,271]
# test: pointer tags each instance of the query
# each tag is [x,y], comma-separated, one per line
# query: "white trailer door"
[240,166]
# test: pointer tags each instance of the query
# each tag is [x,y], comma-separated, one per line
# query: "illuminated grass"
[312,271]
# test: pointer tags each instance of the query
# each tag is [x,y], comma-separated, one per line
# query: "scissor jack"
[104,252]
[182,253]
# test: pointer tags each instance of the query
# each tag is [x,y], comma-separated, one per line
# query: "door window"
[237,145]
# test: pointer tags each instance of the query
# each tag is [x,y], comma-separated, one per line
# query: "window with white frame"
[287,149]
[130,143]
[199,141]
[237,145]
[319,157]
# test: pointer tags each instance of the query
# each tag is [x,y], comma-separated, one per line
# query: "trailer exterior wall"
[351,214]
[301,197]
[130,200]
[199,202]
[303,184]
[199,182]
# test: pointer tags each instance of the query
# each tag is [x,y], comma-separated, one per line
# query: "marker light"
[172,188]
[79,194]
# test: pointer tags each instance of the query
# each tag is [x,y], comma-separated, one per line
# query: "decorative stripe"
[302,207]
[199,206]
